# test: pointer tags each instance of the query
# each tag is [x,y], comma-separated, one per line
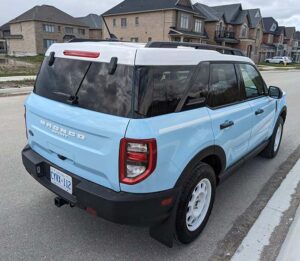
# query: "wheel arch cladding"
[213,156]
[283,113]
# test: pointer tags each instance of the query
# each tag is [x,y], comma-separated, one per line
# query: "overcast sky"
[287,12]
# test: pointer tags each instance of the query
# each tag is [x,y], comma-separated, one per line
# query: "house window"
[137,22]
[48,43]
[184,21]
[123,22]
[114,22]
[244,32]
[48,28]
[81,31]
[258,34]
[273,27]
[149,39]
[58,28]
[69,30]
[134,39]
[198,26]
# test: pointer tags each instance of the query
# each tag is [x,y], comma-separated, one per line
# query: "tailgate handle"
[61,157]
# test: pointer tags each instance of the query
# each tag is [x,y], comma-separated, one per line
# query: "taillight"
[25,121]
[137,160]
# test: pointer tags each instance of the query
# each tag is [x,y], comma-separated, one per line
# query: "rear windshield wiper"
[73,99]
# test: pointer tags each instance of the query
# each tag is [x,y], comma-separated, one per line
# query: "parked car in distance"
[143,135]
[279,60]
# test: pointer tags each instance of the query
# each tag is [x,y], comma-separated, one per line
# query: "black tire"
[269,152]
[267,61]
[199,173]
[281,62]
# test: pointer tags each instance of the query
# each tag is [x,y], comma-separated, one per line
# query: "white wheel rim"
[198,205]
[278,138]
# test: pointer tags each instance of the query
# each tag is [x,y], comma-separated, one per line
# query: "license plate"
[61,180]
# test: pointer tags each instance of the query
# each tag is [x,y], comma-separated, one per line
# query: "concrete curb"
[15,91]
[260,234]
[17,78]
[290,249]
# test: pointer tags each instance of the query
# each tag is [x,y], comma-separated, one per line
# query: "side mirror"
[275,92]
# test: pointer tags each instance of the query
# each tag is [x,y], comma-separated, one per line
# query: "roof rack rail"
[218,48]
[79,40]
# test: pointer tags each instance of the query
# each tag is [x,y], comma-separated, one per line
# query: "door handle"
[259,111]
[226,125]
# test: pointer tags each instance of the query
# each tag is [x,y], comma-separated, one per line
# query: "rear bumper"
[118,207]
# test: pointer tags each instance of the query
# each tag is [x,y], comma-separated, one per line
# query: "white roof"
[138,54]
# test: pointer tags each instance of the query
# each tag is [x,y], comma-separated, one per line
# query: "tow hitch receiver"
[59,202]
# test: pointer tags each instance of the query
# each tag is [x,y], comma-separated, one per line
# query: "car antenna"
[111,36]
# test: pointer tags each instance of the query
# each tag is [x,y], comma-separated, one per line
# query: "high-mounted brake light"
[82,54]
[137,160]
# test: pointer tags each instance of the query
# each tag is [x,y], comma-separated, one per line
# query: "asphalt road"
[32,228]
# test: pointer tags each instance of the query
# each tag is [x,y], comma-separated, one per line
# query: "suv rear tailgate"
[81,141]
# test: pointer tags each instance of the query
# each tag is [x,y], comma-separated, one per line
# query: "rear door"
[78,115]
[231,117]
[263,106]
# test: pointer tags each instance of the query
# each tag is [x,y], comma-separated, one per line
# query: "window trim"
[182,21]
[123,25]
[238,82]
[243,90]
[185,94]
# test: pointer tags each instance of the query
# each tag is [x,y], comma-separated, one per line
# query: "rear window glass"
[95,88]
[161,88]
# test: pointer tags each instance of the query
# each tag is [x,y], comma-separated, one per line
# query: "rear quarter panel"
[180,136]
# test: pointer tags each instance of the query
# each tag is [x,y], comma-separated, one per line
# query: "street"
[32,228]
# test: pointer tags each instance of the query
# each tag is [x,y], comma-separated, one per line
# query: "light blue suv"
[142,135]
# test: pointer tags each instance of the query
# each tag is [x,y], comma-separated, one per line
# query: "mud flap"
[164,232]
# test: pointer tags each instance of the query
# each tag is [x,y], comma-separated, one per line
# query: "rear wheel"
[273,147]
[195,203]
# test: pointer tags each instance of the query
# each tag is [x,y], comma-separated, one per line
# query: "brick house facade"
[230,25]
[143,21]
[34,31]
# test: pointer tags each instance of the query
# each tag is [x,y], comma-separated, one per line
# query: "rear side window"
[253,83]
[197,94]
[161,88]
[95,88]
[224,88]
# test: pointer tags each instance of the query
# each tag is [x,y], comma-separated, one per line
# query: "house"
[34,31]
[4,31]
[289,40]
[296,48]
[230,25]
[155,20]
[271,29]
[95,23]
[278,41]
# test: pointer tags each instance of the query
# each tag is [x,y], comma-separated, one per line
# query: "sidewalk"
[290,250]
[259,243]
[17,78]
[15,91]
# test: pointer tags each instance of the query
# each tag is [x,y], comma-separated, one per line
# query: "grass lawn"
[20,66]
[293,65]
[29,59]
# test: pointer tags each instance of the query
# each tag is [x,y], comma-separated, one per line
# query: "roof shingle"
[47,13]
[93,21]
[137,6]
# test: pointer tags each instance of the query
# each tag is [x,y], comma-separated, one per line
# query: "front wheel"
[272,149]
[195,203]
